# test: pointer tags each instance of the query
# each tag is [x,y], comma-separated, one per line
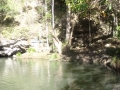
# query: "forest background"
[66,24]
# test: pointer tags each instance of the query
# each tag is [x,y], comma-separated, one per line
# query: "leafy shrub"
[116,62]
[118,30]
[54,56]
[31,50]
[18,54]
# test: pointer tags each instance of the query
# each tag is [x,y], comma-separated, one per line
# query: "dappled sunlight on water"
[54,75]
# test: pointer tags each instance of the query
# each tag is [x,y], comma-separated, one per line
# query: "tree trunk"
[53,23]
[56,41]
[68,27]
[46,24]
[90,37]
[58,44]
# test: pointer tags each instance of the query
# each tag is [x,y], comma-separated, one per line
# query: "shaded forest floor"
[98,53]
[86,55]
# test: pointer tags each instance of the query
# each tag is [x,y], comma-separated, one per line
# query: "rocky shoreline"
[11,47]
[93,56]
[89,55]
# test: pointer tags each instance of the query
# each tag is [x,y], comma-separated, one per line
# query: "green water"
[52,75]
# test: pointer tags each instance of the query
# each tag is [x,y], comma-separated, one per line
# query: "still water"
[52,75]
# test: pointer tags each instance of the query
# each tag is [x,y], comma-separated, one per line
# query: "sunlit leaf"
[110,7]
[118,28]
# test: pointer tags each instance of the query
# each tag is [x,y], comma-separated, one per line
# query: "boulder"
[11,47]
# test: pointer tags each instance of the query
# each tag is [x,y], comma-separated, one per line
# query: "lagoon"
[42,74]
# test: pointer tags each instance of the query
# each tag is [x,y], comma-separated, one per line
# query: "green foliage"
[54,56]
[64,44]
[6,32]
[9,8]
[118,28]
[18,54]
[118,31]
[31,50]
[39,9]
[108,3]
[116,62]
[78,5]
[110,6]
[12,33]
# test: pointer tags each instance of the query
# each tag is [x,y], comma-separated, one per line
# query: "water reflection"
[47,75]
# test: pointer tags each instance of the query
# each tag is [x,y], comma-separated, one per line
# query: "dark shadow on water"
[90,77]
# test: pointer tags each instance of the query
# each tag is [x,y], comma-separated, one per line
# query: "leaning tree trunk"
[57,42]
